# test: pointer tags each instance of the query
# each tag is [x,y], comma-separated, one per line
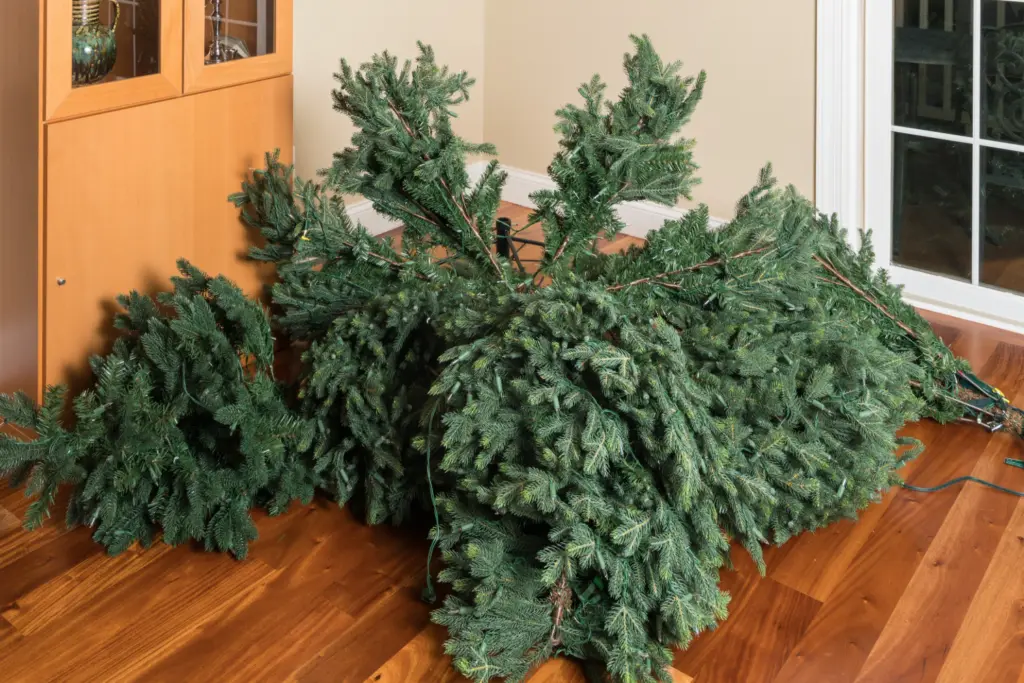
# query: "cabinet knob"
[61,281]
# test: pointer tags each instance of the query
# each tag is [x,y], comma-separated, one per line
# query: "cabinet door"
[131,191]
[109,54]
[119,211]
[236,41]
[235,128]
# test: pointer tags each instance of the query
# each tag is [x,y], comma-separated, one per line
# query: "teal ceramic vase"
[93,45]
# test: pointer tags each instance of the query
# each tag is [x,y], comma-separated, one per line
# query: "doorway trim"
[839,144]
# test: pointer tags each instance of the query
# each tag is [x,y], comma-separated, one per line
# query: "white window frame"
[854,154]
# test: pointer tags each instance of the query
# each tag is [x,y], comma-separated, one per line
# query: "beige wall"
[759,104]
[327,30]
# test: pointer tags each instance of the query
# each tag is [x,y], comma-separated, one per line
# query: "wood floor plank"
[679,677]
[16,543]
[952,570]
[385,566]
[766,620]
[318,570]
[42,563]
[382,630]
[9,636]
[562,670]
[245,644]
[815,563]
[69,591]
[558,670]
[325,558]
[947,324]
[839,639]
[941,589]
[989,647]
[120,632]
[422,659]
[292,536]
[846,629]
[9,522]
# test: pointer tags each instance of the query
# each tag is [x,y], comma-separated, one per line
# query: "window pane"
[238,29]
[933,60]
[1002,219]
[112,41]
[932,208]
[1002,59]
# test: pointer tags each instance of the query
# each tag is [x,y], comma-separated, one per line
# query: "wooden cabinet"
[105,185]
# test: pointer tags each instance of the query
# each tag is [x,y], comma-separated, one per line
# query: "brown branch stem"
[710,263]
[561,249]
[473,227]
[558,254]
[561,598]
[401,119]
[451,195]
[397,265]
[842,278]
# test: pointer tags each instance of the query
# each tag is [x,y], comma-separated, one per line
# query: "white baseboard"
[640,217]
[964,314]
[375,223]
[521,184]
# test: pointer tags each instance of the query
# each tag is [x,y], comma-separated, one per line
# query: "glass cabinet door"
[107,54]
[235,41]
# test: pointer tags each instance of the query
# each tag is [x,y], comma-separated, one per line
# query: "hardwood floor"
[924,588]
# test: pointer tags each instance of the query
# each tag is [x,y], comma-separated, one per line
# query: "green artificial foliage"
[176,434]
[618,151]
[594,435]
[634,429]
[361,309]
[591,438]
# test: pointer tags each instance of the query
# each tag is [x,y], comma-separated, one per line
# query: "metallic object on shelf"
[223,48]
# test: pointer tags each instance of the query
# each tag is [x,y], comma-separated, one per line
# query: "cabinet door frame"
[64,102]
[200,77]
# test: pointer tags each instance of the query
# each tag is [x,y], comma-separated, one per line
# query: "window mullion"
[976,122]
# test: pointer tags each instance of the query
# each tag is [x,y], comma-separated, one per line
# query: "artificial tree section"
[593,434]
[183,432]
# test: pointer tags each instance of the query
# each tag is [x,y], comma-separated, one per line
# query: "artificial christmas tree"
[590,437]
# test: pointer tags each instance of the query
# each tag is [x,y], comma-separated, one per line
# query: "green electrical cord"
[429,595]
[952,482]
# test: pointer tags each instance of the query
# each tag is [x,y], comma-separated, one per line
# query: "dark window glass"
[932,210]
[1002,69]
[1002,219]
[933,65]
